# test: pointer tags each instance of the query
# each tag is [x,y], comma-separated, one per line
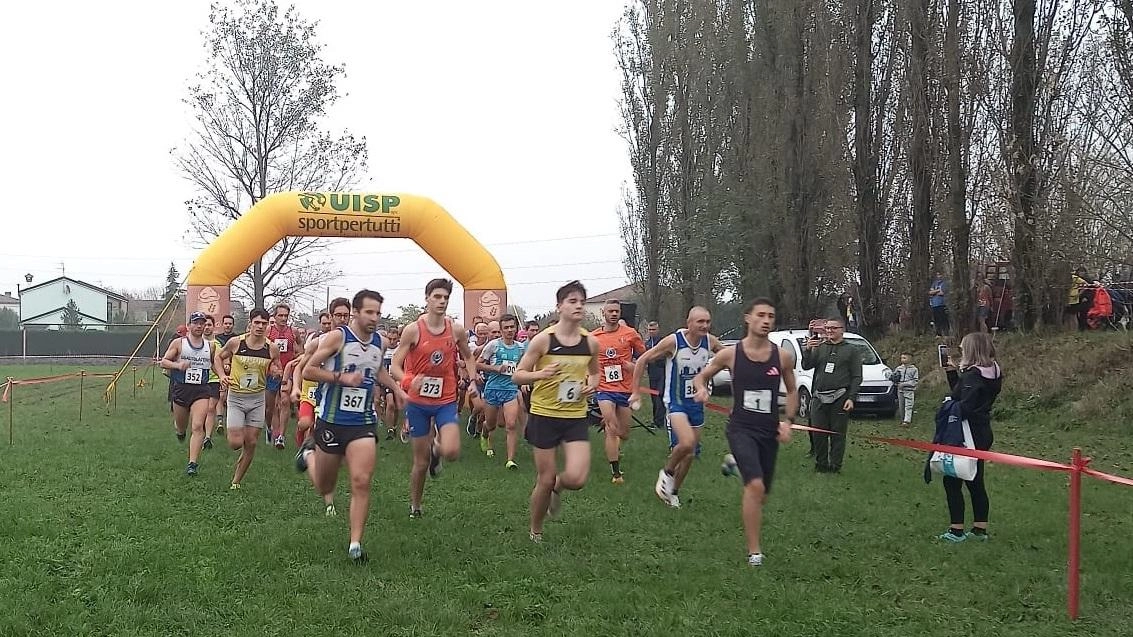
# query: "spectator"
[849,310]
[906,377]
[837,369]
[975,385]
[938,301]
[656,371]
[983,305]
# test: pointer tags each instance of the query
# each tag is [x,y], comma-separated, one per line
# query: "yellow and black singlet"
[250,368]
[561,395]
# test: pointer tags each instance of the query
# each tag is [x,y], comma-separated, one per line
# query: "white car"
[877,395]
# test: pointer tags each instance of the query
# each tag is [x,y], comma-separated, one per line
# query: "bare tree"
[258,106]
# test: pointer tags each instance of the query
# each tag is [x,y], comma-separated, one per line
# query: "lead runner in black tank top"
[754,430]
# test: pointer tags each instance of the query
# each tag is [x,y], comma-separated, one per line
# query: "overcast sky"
[504,112]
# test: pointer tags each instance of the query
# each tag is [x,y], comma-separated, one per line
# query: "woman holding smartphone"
[975,386]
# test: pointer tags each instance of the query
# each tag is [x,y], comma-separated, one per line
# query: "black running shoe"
[434,462]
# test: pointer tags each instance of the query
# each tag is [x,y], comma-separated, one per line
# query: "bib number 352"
[194,376]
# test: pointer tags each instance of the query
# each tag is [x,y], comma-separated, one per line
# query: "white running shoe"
[664,487]
[755,559]
[675,501]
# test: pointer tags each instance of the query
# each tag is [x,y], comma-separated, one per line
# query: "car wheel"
[804,404]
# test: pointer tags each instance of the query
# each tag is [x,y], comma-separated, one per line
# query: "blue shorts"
[499,397]
[694,412]
[421,417]
[274,384]
[621,399]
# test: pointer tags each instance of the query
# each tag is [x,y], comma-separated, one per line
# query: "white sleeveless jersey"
[682,367]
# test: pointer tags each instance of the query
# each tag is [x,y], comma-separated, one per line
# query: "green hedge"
[76,343]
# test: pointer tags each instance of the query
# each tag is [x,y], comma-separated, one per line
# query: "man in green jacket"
[837,369]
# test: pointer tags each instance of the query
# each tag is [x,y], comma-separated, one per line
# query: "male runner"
[390,411]
[617,345]
[252,359]
[214,384]
[684,353]
[307,396]
[754,430]
[424,364]
[348,368]
[227,325]
[189,359]
[287,342]
[562,365]
[498,360]
[475,401]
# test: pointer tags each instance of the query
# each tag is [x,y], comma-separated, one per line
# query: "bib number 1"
[757,400]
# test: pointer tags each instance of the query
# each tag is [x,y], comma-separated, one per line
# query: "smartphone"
[942,353]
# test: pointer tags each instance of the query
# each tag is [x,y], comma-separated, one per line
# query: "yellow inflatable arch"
[343,214]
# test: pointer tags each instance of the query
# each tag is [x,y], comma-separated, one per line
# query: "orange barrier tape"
[10,382]
[990,456]
[1109,477]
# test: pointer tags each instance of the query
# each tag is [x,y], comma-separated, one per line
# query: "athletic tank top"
[213,378]
[200,362]
[615,351]
[250,367]
[561,396]
[284,340]
[498,353]
[755,391]
[309,390]
[352,406]
[434,359]
[686,362]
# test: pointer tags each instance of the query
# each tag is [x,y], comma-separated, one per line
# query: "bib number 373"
[432,387]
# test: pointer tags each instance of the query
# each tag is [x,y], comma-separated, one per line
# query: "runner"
[287,342]
[476,342]
[618,344]
[390,412]
[307,396]
[227,325]
[685,353]
[754,430]
[501,397]
[214,384]
[189,360]
[424,365]
[348,367]
[561,363]
[251,358]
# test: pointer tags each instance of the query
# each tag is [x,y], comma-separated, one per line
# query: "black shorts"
[185,395]
[214,390]
[333,439]
[755,450]
[546,432]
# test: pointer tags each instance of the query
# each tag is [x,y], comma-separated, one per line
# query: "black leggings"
[954,493]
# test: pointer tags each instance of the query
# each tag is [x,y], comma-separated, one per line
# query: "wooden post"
[11,401]
[135,381]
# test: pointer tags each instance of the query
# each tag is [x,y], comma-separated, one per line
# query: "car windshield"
[869,356]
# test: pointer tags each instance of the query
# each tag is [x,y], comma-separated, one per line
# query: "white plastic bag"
[962,467]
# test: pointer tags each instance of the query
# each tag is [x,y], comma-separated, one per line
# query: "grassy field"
[101,533]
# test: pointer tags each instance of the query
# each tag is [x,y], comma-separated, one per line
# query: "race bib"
[757,400]
[194,376]
[507,368]
[570,391]
[247,381]
[353,399]
[281,344]
[829,368]
[432,387]
[613,373]
[311,393]
[688,390]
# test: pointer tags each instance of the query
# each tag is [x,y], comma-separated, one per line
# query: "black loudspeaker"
[629,314]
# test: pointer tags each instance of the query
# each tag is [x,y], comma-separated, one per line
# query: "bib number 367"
[353,399]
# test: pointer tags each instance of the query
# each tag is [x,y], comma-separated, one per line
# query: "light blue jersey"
[497,353]
[352,406]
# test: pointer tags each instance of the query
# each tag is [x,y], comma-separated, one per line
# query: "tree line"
[803,149]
